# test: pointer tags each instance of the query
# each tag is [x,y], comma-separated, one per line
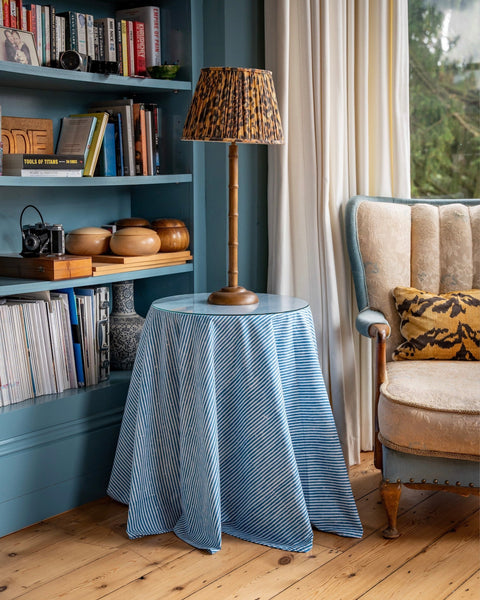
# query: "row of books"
[131,39]
[53,341]
[118,137]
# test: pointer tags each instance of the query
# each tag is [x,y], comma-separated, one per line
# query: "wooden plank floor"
[85,554]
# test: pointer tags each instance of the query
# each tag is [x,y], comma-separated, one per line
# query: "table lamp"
[238,106]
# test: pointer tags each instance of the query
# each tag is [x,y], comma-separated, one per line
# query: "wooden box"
[49,268]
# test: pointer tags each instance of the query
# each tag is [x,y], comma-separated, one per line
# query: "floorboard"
[85,554]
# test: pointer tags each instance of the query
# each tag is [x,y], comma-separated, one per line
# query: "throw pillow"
[438,326]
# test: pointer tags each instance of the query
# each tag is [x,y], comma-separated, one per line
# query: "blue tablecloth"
[227,427]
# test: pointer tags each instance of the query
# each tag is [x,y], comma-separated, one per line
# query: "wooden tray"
[109,268]
[50,268]
[160,258]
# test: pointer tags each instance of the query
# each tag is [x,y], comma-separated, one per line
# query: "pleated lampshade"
[234,105]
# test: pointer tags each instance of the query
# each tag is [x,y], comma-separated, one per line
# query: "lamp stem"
[233,294]
[233,215]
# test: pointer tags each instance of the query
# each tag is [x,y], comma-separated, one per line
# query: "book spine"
[45,36]
[107,24]
[6,13]
[90,36]
[46,173]
[30,21]
[37,27]
[19,11]
[53,36]
[131,48]
[13,14]
[124,48]
[101,41]
[77,349]
[118,39]
[60,29]
[119,145]
[71,37]
[139,44]
[25,12]
[81,33]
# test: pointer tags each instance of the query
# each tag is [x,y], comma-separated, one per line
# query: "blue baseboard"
[57,452]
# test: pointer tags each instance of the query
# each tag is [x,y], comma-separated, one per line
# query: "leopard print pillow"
[438,326]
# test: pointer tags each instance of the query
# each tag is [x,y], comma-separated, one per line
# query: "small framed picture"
[18,46]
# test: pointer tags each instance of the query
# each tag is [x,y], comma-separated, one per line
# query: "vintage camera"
[41,238]
[74,61]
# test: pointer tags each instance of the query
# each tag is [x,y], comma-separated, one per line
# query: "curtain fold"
[341,75]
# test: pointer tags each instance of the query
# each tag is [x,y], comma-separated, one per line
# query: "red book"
[29,20]
[18,12]
[13,14]
[139,47]
[6,13]
[131,48]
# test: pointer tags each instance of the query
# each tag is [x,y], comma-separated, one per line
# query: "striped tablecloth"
[228,428]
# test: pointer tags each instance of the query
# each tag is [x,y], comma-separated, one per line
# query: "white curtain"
[341,74]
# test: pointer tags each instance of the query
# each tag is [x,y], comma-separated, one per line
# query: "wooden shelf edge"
[10,286]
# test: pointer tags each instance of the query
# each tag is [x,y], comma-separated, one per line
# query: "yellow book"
[96,143]
[123,24]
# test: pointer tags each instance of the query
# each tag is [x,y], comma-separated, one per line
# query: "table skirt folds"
[227,427]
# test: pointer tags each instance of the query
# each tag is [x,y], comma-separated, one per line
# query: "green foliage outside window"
[444,102]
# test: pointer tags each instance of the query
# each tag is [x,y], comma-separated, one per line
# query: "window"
[445,98]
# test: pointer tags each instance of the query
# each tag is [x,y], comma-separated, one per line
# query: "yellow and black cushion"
[438,326]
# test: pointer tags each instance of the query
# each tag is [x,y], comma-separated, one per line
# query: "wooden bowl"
[88,241]
[132,222]
[173,234]
[134,241]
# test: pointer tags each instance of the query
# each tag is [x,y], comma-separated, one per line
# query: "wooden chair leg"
[390,494]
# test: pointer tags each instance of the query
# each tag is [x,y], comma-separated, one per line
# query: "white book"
[46,357]
[82,33]
[43,173]
[150,16]
[55,336]
[6,376]
[16,358]
[90,36]
[22,352]
[60,35]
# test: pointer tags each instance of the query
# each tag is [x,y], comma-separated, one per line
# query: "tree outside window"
[445,98]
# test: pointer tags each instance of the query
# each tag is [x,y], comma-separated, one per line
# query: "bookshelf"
[56,451]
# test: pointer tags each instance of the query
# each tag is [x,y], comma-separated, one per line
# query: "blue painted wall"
[234,37]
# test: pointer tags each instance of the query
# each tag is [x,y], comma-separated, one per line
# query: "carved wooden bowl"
[132,222]
[134,241]
[88,241]
[173,234]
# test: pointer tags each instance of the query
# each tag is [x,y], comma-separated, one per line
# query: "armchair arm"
[368,317]
[371,323]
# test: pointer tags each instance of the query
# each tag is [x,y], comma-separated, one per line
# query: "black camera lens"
[31,242]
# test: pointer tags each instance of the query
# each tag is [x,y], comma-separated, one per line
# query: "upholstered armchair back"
[426,244]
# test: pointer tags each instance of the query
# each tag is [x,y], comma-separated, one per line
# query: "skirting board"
[58,453]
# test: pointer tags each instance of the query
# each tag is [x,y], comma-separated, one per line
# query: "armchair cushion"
[438,326]
[431,408]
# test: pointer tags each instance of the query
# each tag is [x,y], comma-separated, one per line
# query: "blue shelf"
[13,285]
[45,78]
[80,182]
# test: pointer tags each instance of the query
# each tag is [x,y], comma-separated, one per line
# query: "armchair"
[408,257]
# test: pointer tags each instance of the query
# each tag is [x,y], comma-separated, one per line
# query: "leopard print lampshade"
[234,105]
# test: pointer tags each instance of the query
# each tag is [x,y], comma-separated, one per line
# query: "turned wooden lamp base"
[233,296]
